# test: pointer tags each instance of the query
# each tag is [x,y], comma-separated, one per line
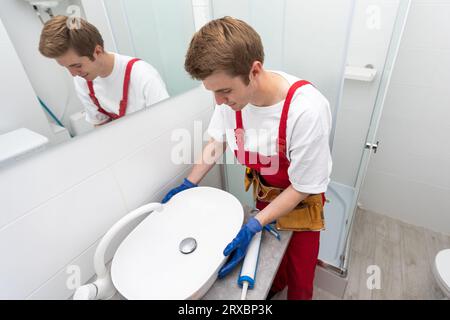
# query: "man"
[279,128]
[108,84]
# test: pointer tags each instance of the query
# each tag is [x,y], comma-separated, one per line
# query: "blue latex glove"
[238,247]
[185,185]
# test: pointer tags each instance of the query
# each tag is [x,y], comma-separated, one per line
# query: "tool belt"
[306,216]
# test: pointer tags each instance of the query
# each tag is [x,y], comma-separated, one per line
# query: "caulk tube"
[248,270]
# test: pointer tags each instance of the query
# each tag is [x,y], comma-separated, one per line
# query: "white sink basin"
[149,264]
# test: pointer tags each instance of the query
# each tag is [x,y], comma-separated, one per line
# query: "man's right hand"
[185,185]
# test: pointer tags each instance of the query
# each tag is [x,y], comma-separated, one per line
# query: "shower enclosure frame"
[371,142]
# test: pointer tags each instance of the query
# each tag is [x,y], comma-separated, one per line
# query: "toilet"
[175,253]
[441,270]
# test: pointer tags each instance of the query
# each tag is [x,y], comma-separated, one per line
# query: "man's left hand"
[238,247]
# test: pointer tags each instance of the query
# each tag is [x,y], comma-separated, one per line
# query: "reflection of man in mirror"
[109,84]
[278,126]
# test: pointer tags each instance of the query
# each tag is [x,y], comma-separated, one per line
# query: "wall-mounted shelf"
[360,73]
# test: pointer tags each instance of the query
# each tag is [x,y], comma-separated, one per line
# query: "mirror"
[47,110]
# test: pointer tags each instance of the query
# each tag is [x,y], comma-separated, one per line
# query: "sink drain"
[188,245]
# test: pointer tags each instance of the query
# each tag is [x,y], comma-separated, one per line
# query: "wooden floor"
[403,253]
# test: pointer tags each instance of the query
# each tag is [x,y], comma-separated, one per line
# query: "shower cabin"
[347,49]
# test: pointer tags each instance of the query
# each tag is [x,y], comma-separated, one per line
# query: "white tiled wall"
[409,176]
[57,205]
[202,12]
[20,108]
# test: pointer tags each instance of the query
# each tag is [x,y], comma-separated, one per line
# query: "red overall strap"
[95,101]
[283,121]
[281,143]
[124,102]
[239,133]
[239,120]
[126,83]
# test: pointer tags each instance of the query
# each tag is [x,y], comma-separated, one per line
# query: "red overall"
[299,262]
[123,102]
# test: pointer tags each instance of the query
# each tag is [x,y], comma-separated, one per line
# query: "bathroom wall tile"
[428,25]
[421,168]
[145,172]
[360,55]
[213,178]
[415,66]
[407,101]
[196,3]
[56,287]
[441,77]
[413,135]
[60,285]
[30,183]
[407,200]
[202,12]
[365,14]
[349,144]
[60,202]
[49,173]
[414,144]
[39,244]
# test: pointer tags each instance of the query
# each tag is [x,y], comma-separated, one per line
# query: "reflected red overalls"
[299,262]
[124,102]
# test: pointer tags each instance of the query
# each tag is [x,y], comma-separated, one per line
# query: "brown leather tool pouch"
[307,216]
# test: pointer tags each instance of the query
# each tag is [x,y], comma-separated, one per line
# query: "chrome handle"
[372,146]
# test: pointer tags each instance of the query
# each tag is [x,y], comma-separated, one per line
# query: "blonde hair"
[225,44]
[58,36]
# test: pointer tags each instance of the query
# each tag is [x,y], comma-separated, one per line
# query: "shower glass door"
[401,9]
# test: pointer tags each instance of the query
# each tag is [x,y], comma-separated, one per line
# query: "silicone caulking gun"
[248,271]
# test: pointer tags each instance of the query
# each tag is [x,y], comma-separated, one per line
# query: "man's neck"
[107,65]
[272,88]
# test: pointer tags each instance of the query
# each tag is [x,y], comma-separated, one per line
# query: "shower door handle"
[372,146]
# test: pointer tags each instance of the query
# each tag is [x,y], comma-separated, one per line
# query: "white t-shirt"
[307,134]
[146,88]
